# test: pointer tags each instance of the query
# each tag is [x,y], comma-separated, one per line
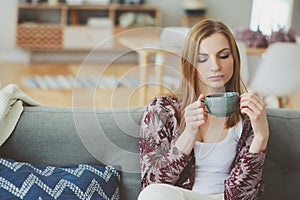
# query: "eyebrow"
[217,52]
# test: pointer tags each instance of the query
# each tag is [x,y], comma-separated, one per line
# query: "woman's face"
[215,63]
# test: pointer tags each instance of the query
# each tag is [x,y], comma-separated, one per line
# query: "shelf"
[40,6]
[255,51]
[34,24]
[45,15]
[58,23]
[81,16]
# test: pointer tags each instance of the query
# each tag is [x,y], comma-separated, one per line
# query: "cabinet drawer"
[87,37]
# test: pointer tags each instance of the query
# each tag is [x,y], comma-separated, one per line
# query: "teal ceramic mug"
[222,104]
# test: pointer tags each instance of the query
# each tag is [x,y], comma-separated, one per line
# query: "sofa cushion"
[26,181]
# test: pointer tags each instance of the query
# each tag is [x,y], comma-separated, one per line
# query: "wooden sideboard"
[41,26]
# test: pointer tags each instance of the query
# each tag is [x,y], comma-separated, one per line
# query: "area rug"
[70,82]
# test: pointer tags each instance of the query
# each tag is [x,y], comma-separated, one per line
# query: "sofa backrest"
[282,165]
[62,136]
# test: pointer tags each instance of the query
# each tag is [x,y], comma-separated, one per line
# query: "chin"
[216,87]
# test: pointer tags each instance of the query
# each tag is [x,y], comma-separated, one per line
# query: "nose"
[214,65]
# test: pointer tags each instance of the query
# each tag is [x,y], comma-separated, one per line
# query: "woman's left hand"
[254,107]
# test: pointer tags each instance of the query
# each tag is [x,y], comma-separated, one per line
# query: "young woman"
[188,154]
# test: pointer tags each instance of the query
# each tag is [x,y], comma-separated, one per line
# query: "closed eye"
[202,60]
[224,56]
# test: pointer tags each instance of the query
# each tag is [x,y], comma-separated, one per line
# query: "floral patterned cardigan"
[162,162]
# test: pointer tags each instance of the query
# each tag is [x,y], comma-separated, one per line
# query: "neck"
[206,90]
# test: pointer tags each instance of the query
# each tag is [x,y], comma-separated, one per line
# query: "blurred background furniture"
[190,20]
[41,26]
[168,42]
[245,73]
[194,11]
[167,66]
[277,75]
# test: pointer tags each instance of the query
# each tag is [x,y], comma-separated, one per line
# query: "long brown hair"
[189,90]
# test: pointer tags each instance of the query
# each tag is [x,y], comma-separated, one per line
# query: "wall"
[226,11]
[296,16]
[8,51]
[234,13]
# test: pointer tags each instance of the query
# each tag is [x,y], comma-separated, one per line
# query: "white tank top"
[214,160]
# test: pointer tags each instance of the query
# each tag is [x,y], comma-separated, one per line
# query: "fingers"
[252,96]
[195,114]
[251,105]
[200,115]
[254,107]
[201,96]
[194,109]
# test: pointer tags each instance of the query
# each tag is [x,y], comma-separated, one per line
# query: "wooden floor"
[92,97]
[96,98]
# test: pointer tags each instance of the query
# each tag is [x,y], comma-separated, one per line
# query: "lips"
[216,77]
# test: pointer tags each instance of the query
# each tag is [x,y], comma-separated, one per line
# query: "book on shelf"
[74,17]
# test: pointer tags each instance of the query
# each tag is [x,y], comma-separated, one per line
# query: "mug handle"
[203,101]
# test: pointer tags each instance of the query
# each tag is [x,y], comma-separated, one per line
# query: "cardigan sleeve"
[160,160]
[245,179]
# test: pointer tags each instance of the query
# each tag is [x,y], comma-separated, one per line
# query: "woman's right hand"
[195,116]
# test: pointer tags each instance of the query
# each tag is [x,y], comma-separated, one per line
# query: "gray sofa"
[62,136]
